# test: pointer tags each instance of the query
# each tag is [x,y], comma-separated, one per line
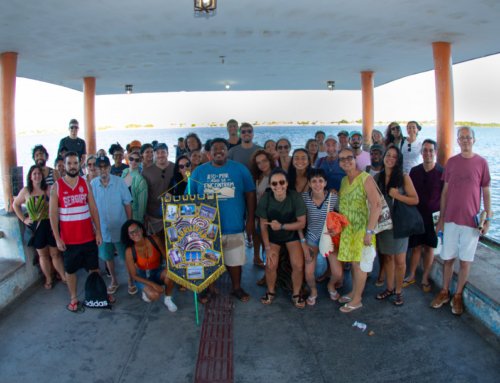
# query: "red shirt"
[74,214]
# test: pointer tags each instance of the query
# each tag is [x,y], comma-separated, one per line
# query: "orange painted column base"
[367,91]
[8,155]
[445,121]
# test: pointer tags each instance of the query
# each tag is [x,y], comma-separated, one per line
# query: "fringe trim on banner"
[195,288]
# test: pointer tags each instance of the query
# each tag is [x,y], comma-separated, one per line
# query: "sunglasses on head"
[186,165]
[283,147]
[281,182]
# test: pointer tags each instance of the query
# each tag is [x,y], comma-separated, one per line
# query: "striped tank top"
[49,180]
[316,215]
[74,214]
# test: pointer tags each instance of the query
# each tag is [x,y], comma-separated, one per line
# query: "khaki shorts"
[233,249]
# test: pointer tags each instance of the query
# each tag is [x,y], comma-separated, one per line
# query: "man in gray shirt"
[244,151]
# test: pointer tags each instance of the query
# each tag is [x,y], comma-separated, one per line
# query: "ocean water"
[486,145]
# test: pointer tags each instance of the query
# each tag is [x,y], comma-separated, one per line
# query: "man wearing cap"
[236,194]
[330,163]
[157,177]
[343,138]
[135,146]
[74,144]
[362,157]
[376,160]
[113,201]
[242,153]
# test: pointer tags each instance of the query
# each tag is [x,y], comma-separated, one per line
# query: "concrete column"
[368,111]
[445,126]
[8,155]
[89,113]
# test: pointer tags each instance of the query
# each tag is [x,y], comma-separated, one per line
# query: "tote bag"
[384,220]
[407,220]
[325,242]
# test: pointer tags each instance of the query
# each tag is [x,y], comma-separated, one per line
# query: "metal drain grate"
[215,355]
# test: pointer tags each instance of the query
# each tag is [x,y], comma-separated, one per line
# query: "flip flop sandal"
[268,298]
[241,295]
[380,282]
[347,309]
[426,287]
[112,289]
[298,302]
[77,310]
[311,301]
[333,295]
[48,286]
[207,296]
[407,283]
[344,299]
[133,290]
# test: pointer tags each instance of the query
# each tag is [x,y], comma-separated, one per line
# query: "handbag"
[325,241]
[407,220]
[384,220]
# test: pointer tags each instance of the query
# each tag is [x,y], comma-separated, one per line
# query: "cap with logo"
[161,145]
[102,160]
[331,137]
[354,132]
[377,147]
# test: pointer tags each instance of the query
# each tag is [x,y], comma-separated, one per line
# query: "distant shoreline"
[256,124]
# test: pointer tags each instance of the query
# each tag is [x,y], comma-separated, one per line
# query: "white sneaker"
[170,304]
[145,298]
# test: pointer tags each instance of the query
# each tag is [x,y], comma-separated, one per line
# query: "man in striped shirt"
[73,209]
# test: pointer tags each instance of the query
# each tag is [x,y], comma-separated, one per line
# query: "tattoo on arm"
[309,261]
[311,252]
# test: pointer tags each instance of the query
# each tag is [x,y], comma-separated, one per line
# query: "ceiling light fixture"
[227,85]
[331,85]
[205,5]
[128,89]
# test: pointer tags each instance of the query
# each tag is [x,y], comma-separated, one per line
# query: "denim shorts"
[310,242]
[154,276]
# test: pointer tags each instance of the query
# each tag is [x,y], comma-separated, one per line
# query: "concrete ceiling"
[161,46]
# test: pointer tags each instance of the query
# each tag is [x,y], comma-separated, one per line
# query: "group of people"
[270,199]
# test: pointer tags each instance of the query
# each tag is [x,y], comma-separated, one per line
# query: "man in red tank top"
[73,209]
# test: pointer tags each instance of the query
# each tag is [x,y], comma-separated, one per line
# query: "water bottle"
[440,243]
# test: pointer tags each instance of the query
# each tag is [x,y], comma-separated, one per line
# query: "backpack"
[96,294]
[153,242]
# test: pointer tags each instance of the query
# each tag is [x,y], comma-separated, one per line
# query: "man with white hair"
[465,176]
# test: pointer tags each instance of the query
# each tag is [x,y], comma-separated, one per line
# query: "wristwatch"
[283,227]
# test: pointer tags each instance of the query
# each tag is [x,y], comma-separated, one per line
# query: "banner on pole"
[193,240]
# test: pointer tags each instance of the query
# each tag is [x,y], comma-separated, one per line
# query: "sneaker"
[170,304]
[145,298]
[442,298]
[457,305]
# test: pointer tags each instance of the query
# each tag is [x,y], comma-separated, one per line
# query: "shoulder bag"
[407,220]
[384,220]
[325,241]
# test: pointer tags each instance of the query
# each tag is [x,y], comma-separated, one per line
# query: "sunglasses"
[246,131]
[344,159]
[91,164]
[135,160]
[133,232]
[163,173]
[409,147]
[395,128]
[286,147]
[73,127]
[219,149]
[281,182]
[187,165]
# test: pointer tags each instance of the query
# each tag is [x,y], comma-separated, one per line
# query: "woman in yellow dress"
[356,187]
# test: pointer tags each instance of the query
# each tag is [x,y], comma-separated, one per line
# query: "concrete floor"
[138,342]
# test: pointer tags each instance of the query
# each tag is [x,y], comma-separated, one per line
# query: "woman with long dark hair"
[283,146]
[282,213]
[312,147]
[297,173]
[36,197]
[192,142]
[394,185]
[378,137]
[143,257]
[393,135]
[178,182]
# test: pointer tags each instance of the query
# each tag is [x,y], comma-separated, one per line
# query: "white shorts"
[233,249]
[459,240]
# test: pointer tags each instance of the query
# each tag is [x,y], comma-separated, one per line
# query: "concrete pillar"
[8,155]
[368,111]
[89,113]
[445,125]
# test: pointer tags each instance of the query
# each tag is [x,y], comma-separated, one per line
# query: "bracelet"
[369,231]
[488,219]
[302,240]
[267,248]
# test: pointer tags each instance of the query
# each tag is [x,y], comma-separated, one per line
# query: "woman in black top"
[117,152]
[178,182]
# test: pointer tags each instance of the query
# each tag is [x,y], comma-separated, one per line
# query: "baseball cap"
[160,145]
[102,160]
[345,132]
[331,137]
[354,132]
[135,144]
[377,147]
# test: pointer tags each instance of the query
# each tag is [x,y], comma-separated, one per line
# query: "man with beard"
[376,159]
[242,153]
[74,144]
[73,209]
[362,157]
[113,201]
[236,194]
[232,129]
[330,164]
[40,156]
[157,177]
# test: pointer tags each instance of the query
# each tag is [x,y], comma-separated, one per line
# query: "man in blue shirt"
[235,190]
[113,201]
[330,164]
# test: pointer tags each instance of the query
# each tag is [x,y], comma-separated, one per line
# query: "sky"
[42,106]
